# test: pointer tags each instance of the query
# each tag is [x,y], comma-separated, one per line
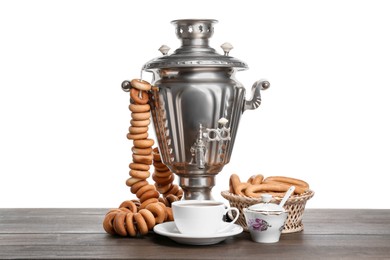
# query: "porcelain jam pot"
[265,220]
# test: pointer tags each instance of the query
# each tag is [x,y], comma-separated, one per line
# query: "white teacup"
[201,217]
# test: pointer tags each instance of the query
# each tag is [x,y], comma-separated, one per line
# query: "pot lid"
[195,50]
[266,206]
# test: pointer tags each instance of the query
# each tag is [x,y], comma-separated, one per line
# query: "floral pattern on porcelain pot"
[258,224]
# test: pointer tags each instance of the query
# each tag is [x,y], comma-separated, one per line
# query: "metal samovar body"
[196,105]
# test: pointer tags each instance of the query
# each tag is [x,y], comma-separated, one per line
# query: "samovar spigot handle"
[255,101]
[218,134]
[126,86]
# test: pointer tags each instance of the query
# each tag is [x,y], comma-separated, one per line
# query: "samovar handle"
[126,85]
[255,101]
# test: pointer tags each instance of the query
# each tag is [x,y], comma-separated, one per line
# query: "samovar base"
[197,187]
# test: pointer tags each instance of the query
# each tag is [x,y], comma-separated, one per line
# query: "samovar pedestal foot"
[197,187]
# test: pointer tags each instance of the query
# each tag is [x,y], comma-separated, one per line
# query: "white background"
[64,117]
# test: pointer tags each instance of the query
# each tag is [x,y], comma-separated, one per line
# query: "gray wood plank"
[316,221]
[52,220]
[347,221]
[157,247]
[78,234]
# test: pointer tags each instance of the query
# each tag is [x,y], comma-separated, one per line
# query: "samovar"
[196,106]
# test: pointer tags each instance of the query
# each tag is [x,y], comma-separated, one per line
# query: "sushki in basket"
[246,194]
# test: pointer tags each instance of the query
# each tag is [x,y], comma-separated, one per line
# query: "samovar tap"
[198,149]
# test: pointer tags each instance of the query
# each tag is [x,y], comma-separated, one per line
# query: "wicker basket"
[295,207]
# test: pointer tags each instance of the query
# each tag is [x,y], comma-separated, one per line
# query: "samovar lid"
[195,50]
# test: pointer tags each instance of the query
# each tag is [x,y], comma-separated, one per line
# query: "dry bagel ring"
[171,198]
[129,205]
[163,180]
[157,211]
[169,216]
[163,189]
[231,189]
[241,188]
[160,169]
[140,116]
[138,129]
[137,108]
[144,189]
[139,166]
[253,190]
[142,151]
[273,193]
[142,227]
[119,225]
[137,136]
[234,181]
[147,202]
[135,93]
[298,189]
[173,190]
[289,180]
[180,193]
[140,84]
[125,210]
[136,202]
[137,186]
[131,230]
[149,194]
[163,174]
[145,159]
[131,181]
[149,218]
[162,205]
[108,222]
[164,201]
[251,179]
[143,143]
[256,179]
[138,123]
[113,210]
[160,165]
[139,174]
[156,155]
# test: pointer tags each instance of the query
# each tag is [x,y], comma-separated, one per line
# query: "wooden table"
[78,233]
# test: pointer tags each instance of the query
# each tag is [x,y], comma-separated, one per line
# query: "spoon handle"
[287,195]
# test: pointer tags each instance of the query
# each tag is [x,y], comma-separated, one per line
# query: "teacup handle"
[234,220]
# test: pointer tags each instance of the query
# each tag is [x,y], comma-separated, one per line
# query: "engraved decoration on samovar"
[196,105]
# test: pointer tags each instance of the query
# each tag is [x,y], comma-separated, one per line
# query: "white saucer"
[169,229]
